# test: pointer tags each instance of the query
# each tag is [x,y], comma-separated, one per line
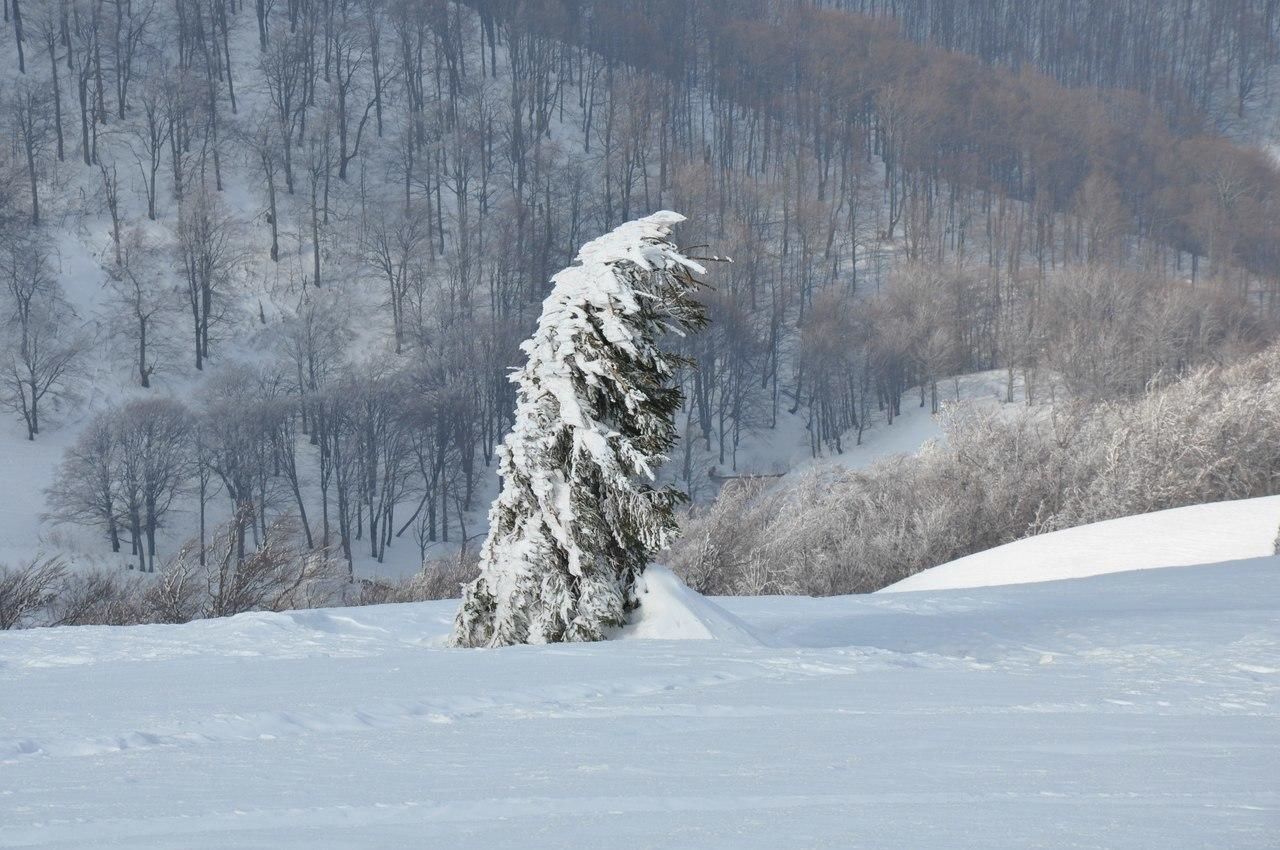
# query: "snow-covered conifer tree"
[578,517]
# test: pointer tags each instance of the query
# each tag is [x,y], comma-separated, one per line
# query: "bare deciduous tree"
[144,300]
[40,352]
[29,116]
[206,254]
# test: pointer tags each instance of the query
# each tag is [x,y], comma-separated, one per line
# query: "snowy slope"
[787,448]
[1130,710]
[1197,534]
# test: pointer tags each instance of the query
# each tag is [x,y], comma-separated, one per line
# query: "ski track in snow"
[1129,710]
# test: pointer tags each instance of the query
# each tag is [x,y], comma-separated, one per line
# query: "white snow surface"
[1179,537]
[669,610]
[1137,709]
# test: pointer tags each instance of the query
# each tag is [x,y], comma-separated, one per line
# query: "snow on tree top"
[593,287]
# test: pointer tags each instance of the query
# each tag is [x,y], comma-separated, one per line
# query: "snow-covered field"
[1137,709]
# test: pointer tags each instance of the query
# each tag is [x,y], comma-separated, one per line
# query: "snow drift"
[670,610]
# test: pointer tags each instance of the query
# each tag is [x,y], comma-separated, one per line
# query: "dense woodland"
[1196,60]
[313,232]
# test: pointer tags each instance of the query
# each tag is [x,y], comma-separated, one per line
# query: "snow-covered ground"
[1197,534]
[1139,709]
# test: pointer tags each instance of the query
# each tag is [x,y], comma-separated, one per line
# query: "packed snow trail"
[1130,710]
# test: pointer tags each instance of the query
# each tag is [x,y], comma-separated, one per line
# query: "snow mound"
[1179,537]
[670,610]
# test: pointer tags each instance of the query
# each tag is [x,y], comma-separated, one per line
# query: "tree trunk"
[144,374]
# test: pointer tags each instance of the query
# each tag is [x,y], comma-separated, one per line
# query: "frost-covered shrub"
[1211,437]
[27,590]
[280,574]
[994,479]
[98,598]
[44,593]
[439,578]
[832,530]
[222,579]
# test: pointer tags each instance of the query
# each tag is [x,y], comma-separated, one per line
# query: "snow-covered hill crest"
[1196,534]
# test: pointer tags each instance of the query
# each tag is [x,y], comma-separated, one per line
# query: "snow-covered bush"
[1213,436]
[832,530]
[578,519]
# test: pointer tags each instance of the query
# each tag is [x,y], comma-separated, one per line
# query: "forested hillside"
[1199,61]
[266,266]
